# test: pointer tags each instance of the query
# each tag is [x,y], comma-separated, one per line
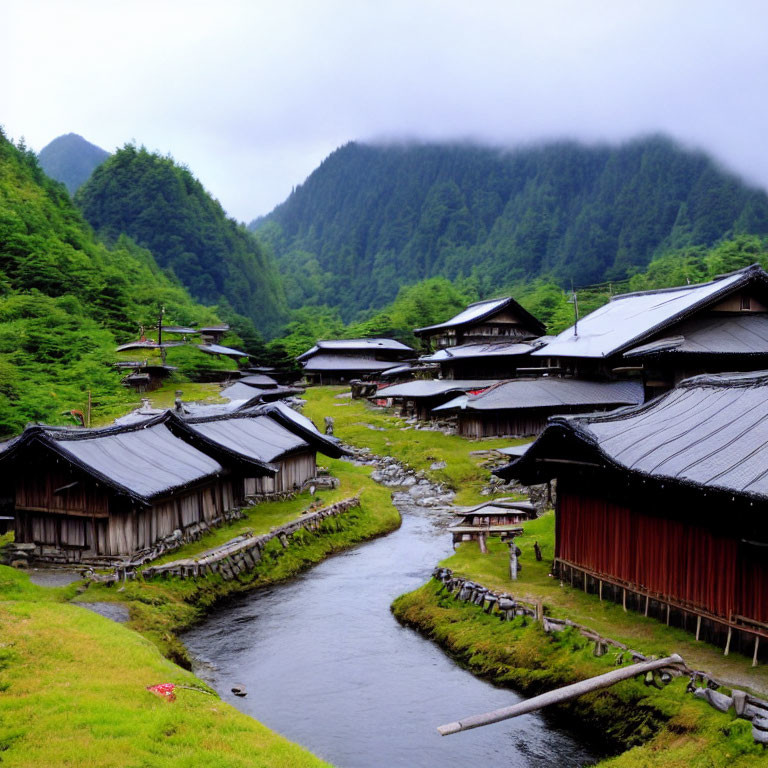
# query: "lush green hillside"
[71,159]
[373,218]
[164,208]
[66,299]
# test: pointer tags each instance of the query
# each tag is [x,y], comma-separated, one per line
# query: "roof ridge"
[752,268]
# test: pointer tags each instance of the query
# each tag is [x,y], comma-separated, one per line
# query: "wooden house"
[666,335]
[339,361]
[521,407]
[143,376]
[488,340]
[418,398]
[213,334]
[89,494]
[662,506]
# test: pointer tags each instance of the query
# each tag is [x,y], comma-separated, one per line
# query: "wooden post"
[601,590]
[728,642]
[586,583]
[667,614]
[88,412]
[560,695]
[647,602]
[484,549]
[698,626]
[624,599]
[757,646]
[512,560]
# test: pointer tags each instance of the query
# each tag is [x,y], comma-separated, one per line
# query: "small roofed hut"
[661,506]
[418,398]
[84,495]
[520,408]
[500,517]
[665,335]
[338,361]
[263,438]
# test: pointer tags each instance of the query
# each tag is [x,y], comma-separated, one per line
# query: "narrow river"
[327,665]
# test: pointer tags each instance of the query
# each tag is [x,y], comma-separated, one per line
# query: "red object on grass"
[164,690]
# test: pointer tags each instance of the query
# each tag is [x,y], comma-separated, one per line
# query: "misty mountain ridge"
[374,217]
[164,208]
[71,160]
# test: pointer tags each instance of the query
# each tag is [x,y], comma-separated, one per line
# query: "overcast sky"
[251,95]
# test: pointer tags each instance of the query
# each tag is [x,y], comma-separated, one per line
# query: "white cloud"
[252,95]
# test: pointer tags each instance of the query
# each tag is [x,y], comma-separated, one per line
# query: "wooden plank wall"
[294,472]
[689,564]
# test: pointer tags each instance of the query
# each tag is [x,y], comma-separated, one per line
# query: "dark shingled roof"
[321,362]
[431,387]
[144,461]
[356,345]
[549,392]
[709,432]
[259,438]
[718,334]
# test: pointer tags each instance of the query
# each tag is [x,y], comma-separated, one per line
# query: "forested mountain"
[163,207]
[71,159]
[371,218]
[66,299]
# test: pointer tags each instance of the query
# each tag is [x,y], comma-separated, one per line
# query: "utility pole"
[574,300]
[160,333]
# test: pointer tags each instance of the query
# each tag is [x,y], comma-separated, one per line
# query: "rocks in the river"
[239,690]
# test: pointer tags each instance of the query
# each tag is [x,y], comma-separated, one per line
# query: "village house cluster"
[652,417]
[114,494]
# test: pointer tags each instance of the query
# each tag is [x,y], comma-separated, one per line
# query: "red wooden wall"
[687,564]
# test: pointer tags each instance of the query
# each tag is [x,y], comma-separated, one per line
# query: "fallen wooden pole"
[560,694]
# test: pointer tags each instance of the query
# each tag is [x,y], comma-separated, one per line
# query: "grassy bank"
[665,727]
[73,684]
[357,423]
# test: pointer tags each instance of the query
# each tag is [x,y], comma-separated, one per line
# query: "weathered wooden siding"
[121,528]
[476,425]
[688,565]
[294,472]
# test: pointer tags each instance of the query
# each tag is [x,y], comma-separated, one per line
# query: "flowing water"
[326,664]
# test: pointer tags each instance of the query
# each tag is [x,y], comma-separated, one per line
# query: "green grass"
[74,694]
[417,448]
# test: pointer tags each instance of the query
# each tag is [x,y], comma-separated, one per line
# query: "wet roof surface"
[478,350]
[421,388]
[256,437]
[717,334]
[711,431]
[550,392]
[475,311]
[322,362]
[635,316]
[147,462]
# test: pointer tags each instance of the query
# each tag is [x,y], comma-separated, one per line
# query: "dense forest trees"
[71,159]
[371,219]
[164,208]
[66,299]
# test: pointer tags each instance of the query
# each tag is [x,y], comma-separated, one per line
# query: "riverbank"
[57,659]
